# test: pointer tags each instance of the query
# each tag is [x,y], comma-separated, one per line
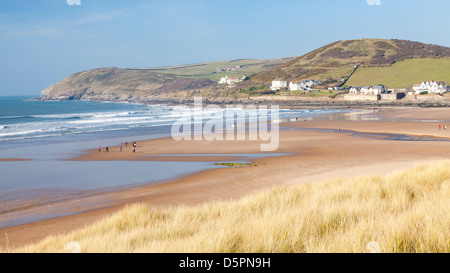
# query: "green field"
[208,70]
[334,62]
[403,74]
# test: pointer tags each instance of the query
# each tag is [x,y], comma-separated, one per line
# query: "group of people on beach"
[445,127]
[121,150]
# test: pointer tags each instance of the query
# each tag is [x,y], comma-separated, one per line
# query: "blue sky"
[44,41]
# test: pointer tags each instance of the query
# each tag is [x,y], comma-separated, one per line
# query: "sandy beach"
[310,155]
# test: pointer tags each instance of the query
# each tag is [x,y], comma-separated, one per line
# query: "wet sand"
[311,157]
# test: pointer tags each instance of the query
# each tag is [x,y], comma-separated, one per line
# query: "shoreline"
[313,157]
[292,102]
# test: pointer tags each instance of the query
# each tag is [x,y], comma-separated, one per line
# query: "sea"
[48,132]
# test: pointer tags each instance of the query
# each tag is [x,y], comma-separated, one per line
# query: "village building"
[305,85]
[311,83]
[229,81]
[368,90]
[278,84]
[373,90]
[295,86]
[372,93]
[431,87]
[354,90]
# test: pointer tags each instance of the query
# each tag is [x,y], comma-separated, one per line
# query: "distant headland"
[364,71]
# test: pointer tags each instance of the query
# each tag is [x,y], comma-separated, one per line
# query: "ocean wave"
[28,132]
[76,121]
[9,118]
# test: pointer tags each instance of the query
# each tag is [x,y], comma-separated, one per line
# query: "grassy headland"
[209,71]
[394,63]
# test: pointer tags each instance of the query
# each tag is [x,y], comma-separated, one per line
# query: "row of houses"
[371,93]
[368,90]
[381,92]
[280,84]
[432,87]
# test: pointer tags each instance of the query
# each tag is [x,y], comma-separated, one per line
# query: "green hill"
[394,63]
[216,70]
[149,83]
[335,62]
[403,74]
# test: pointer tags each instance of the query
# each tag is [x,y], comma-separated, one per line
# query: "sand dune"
[311,157]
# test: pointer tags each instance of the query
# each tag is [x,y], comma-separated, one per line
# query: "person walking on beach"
[439,127]
[134,150]
[107,149]
[121,148]
[99,149]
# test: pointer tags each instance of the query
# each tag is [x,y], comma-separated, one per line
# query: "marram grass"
[403,212]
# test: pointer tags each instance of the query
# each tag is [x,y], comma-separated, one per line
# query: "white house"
[365,90]
[279,84]
[354,90]
[305,85]
[377,89]
[229,81]
[368,90]
[430,87]
[295,86]
[310,83]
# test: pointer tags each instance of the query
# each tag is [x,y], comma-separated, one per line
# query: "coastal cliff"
[397,64]
[116,84]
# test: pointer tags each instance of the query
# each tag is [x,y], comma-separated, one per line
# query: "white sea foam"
[31,125]
[68,123]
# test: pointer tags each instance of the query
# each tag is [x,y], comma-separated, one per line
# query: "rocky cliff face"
[115,84]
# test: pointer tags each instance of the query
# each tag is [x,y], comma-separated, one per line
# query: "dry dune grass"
[402,212]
